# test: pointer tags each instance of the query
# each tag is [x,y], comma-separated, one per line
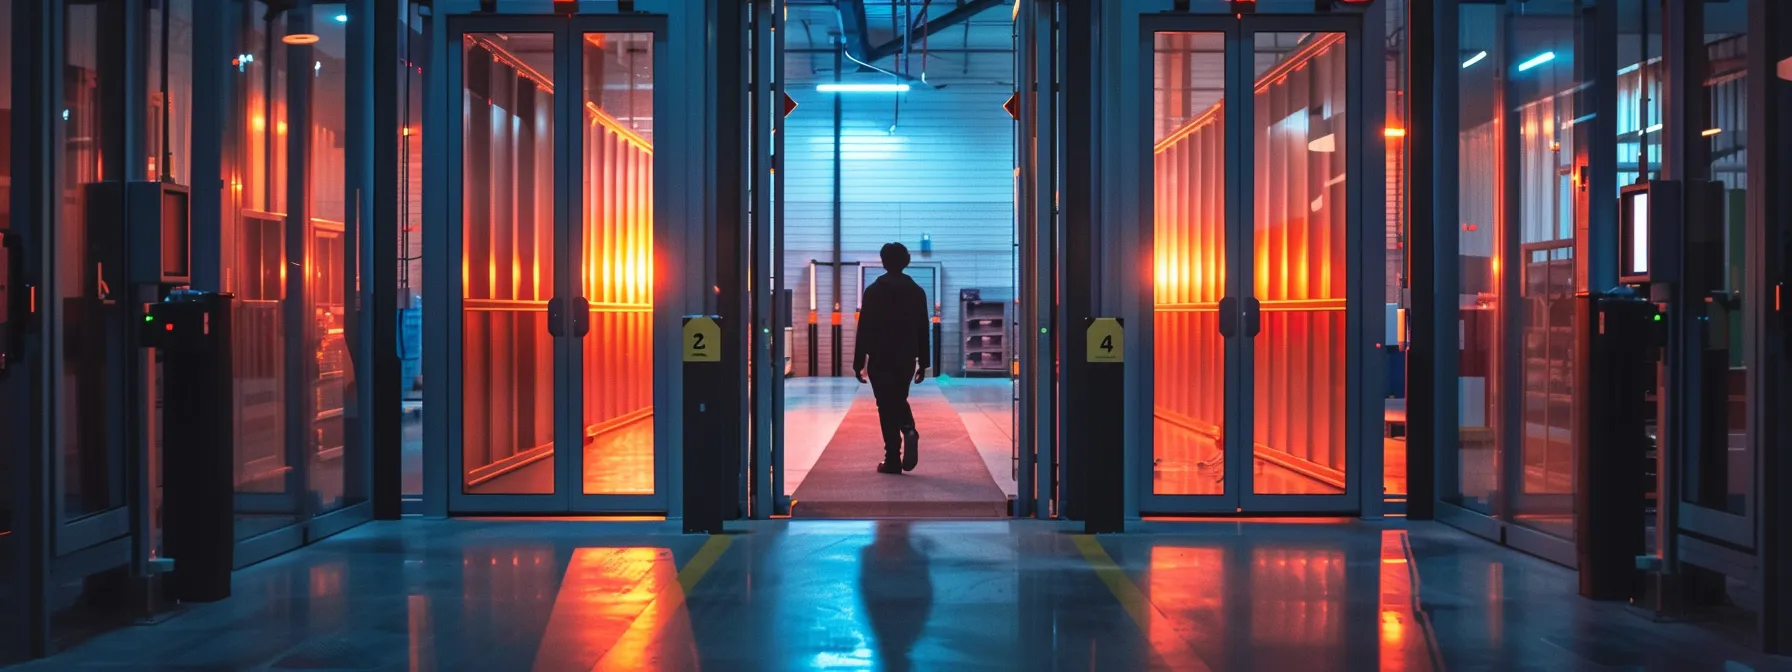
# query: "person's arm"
[923,334]
[860,351]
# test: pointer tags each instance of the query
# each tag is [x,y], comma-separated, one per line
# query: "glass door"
[1253,239]
[555,362]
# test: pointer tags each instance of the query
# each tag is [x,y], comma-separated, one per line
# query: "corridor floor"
[975,595]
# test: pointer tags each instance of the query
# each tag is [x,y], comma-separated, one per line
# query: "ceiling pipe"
[858,41]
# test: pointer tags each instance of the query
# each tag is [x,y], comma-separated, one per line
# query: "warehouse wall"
[945,169]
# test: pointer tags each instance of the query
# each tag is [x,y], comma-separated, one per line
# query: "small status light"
[167,327]
[149,318]
[1657,318]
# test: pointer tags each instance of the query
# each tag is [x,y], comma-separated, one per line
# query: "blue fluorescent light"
[1537,60]
[862,88]
[342,18]
[1473,60]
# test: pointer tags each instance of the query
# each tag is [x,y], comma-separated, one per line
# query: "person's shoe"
[911,453]
[887,467]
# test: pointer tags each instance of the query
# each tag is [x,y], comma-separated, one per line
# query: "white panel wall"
[945,169]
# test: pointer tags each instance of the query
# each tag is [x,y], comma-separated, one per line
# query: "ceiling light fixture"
[1537,60]
[862,88]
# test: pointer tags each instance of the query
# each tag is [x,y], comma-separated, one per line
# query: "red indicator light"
[167,327]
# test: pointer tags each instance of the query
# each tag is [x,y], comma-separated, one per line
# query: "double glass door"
[1258,309]
[552,137]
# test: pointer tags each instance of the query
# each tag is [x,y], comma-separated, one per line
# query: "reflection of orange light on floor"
[618,608]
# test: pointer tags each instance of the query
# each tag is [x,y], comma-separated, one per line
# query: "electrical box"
[157,218]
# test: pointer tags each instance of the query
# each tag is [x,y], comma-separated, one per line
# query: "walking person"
[892,349]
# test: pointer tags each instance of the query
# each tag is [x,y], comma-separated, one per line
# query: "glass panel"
[1189,168]
[1543,80]
[331,448]
[89,266]
[410,248]
[1301,147]
[1725,478]
[254,240]
[170,29]
[617,271]
[507,264]
[1474,482]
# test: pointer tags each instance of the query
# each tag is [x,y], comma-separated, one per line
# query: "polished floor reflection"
[974,595]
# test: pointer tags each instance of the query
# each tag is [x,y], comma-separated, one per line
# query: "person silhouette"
[892,346]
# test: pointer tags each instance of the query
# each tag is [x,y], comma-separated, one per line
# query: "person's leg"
[889,417]
[902,415]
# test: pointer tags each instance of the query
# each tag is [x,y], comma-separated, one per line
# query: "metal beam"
[858,41]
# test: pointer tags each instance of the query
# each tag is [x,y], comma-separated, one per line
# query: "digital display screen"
[1639,234]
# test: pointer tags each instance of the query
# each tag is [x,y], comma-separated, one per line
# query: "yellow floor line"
[706,557]
[1165,643]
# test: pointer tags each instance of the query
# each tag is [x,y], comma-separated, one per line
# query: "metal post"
[731,245]
[839,52]
[767,331]
[1769,263]
[707,426]
[385,407]
[1081,100]
[1431,235]
[1029,494]
[1036,407]
[299,325]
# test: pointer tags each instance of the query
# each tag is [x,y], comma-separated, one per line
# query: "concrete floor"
[983,595]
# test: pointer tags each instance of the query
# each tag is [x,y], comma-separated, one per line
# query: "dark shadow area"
[898,591]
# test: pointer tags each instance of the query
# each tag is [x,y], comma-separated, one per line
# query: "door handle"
[1253,317]
[581,317]
[556,316]
[1228,316]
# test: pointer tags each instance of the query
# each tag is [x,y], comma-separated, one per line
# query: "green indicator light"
[149,318]
[1042,330]
[1657,318]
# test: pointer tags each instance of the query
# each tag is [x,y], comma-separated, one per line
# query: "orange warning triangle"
[1013,106]
[789,105]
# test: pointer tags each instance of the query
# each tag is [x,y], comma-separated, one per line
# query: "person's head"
[895,257]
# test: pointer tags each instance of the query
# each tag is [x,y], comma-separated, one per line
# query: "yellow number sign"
[702,340]
[1107,341]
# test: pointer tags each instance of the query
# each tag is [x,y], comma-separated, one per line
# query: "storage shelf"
[983,329]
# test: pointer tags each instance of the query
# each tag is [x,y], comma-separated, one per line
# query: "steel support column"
[382,196]
[1769,197]
[1432,175]
[1081,100]
[299,324]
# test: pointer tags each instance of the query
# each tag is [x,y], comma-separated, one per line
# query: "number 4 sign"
[1107,341]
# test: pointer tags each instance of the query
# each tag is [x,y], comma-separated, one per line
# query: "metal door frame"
[1363,458]
[568,395]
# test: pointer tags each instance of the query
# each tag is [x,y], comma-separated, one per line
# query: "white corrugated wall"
[945,169]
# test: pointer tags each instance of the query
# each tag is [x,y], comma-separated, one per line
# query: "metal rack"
[984,328]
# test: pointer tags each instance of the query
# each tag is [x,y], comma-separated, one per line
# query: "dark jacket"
[893,319]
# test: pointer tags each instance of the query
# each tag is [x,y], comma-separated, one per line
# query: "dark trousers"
[890,387]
